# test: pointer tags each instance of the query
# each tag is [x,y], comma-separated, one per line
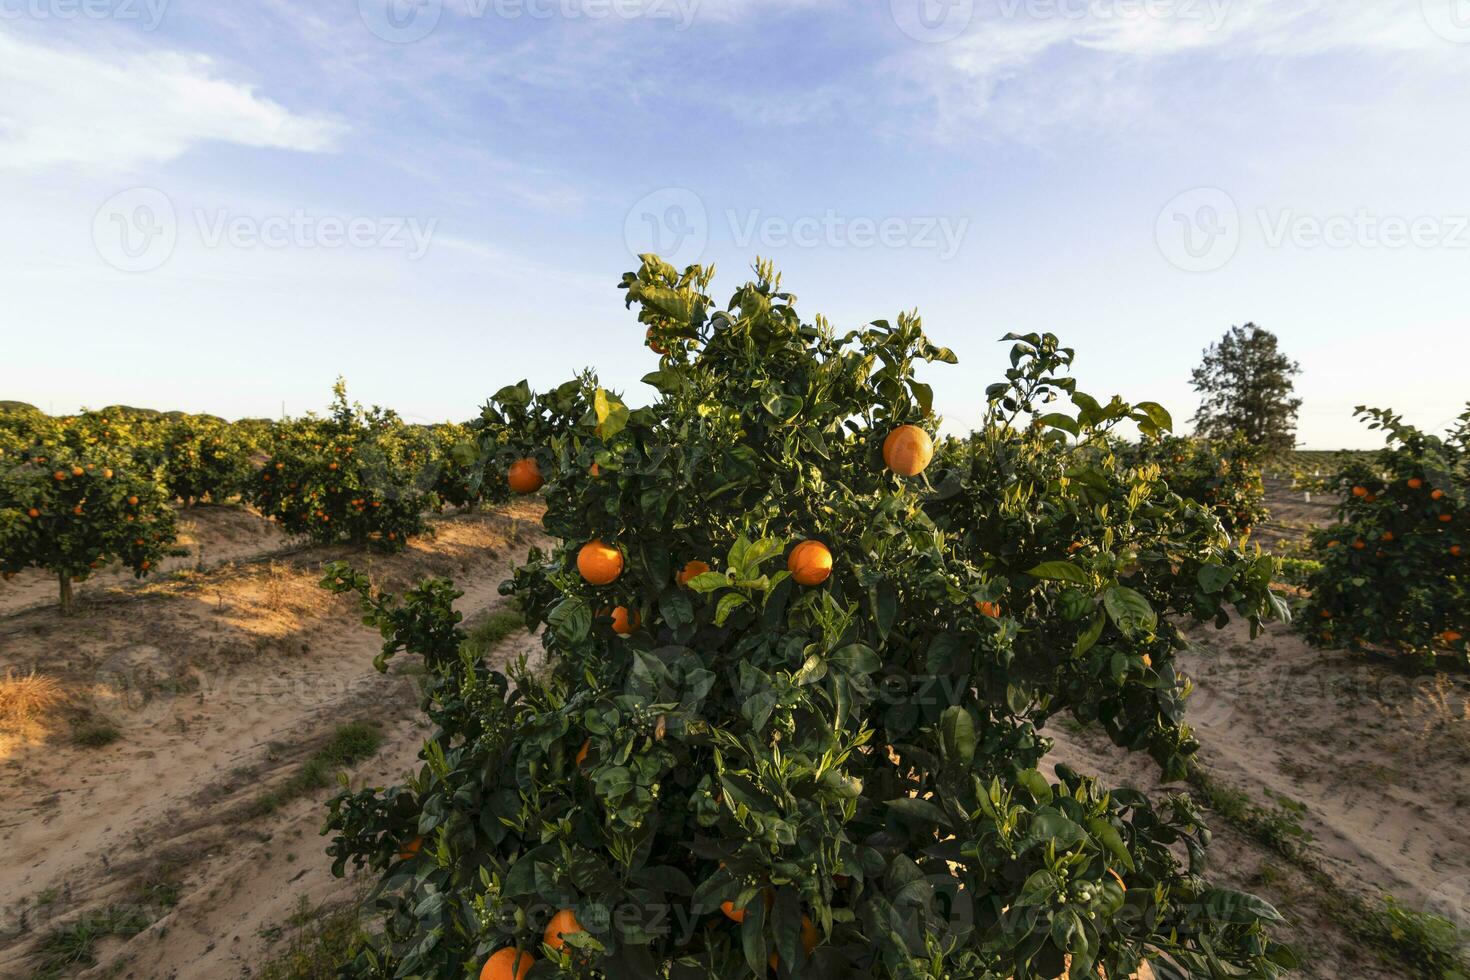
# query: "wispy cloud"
[1027,67]
[114,110]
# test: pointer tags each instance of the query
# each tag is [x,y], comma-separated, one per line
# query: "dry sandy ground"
[223,681]
[1363,755]
[213,535]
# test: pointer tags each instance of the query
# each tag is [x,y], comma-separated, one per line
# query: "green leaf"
[1035,784]
[1157,415]
[855,658]
[612,415]
[1213,577]
[1091,635]
[1056,420]
[757,554]
[571,621]
[1109,837]
[958,732]
[1238,908]
[1060,571]
[1130,611]
[729,602]
[708,581]
[920,810]
[783,406]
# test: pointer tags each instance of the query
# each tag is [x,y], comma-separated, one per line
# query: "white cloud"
[118,110]
[1028,66]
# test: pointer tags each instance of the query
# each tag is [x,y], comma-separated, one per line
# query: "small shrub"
[1395,566]
[359,475]
[205,457]
[1222,474]
[71,511]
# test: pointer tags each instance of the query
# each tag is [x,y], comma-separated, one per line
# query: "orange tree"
[1223,474]
[792,716]
[203,457]
[452,471]
[357,474]
[1395,567]
[72,509]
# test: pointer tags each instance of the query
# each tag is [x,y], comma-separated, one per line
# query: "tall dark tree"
[1246,386]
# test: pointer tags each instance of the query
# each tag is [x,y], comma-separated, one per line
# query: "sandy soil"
[223,681]
[1359,754]
[221,685]
[213,535]
[1292,515]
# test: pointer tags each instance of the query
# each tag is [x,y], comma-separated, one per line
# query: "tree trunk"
[65,580]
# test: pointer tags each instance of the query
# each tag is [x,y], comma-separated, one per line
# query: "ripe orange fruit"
[107,474]
[1360,492]
[653,345]
[77,510]
[507,964]
[1415,483]
[1436,495]
[331,466]
[810,937]
[146,565]
[525,476]
[77,471]
[624,620]
[1451,636]
[33,512]
[731,912]
[594,470]
[411,849]
[132,501]
[1445,518]
[691,569]
[563,923]
[599,563]
[810,563]
[991,609]
[907,450]
[1387,536]
[1360,544]
[1332,544]
[582,753]
[60,474]
[1455,550]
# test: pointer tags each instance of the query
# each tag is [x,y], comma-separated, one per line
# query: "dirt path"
[220,686]
[1354,753]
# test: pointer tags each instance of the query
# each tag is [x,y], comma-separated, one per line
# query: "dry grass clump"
[27,701]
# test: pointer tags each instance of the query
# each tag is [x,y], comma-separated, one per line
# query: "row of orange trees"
[800,669]
[1394,568]
[81,492]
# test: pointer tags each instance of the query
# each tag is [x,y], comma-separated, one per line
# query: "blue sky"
[221,207]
